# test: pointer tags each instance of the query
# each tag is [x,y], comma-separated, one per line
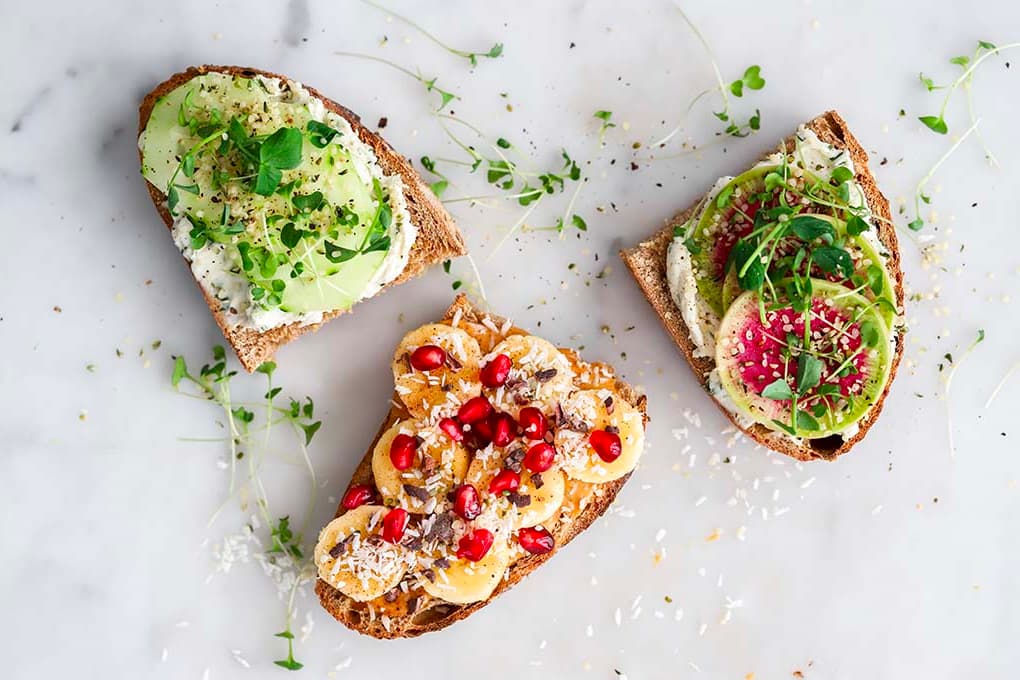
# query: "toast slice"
[411,612]
[438,238]
[647,263]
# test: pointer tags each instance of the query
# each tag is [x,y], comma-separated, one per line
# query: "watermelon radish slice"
[764,367]
[871,277]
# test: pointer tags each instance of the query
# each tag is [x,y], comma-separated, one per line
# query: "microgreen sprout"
[938,124]
[286,549]
[750,80]
[606,118]
[445,97]
[948,384]
[493,52]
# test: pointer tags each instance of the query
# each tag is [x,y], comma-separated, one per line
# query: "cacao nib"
[536,480]
[416,492]
[513,459]
[545,375]
[412,604]
[391,595]
[442,528]
[430,575]
[610,406]
[521,500]
[337,550]
[413,542]
[452,363]
[442,563]
[612,429]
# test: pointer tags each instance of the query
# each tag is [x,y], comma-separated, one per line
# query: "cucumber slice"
[848,337]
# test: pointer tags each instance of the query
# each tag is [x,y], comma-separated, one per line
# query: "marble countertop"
[718,560]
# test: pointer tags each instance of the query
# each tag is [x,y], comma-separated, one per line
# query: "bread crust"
[647,263]
[438,238]
[344,609]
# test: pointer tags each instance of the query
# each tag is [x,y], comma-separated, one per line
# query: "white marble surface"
[898,561]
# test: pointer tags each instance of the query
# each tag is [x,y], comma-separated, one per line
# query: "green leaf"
[439,187]
[773,180]
[754,277]
[188,164]
[806,422]
[916,225]
[869,333]
[692,247]
[286,635]
[446,97]
[310,431]
[723,199]
[219,354]
[809,372]
[753,79]
[960,61]
[842,174]
[603,115]
[320,134]
[446,266]
[876,278]
[172,198]
[307,202]
[495,51]
[282,149]
[502,143]
[381,244]
[856,226]
[180,370]
[579,222]
[290,235]
[529,195]
[289,664]
[183,119]
[935,124]
[927,82]
[267,180]
[754,122]
[783,426]
[337,254]
[808,228]
[778,390]
[737,88]
[266,367]
[831,258]
[984,44]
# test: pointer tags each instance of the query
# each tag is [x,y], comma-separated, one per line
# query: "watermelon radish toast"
[782,287]
[498,450]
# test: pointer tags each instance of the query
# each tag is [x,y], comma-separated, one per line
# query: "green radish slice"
[763,365]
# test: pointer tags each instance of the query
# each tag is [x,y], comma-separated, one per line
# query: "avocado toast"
[287,209]
[782,288]
[498,450]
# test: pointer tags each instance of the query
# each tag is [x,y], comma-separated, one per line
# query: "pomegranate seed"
[606,444]
[532,422]
[481,434]
[452,429]
[495,373]
[474,546]
[402,450]
[539,457]
[473,410]
[466,503]
[536,541]
[357,495]
[504,428]
[394,524]
[428,357]
[505,480]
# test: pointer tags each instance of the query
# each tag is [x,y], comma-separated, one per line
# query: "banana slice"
[437,392]
[545,500]
[439,465]
[464,582]
[353,558]
[586,411]
[540,374]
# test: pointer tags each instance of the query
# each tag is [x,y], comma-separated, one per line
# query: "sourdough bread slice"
[428,614]
[647,263]
[438,238]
